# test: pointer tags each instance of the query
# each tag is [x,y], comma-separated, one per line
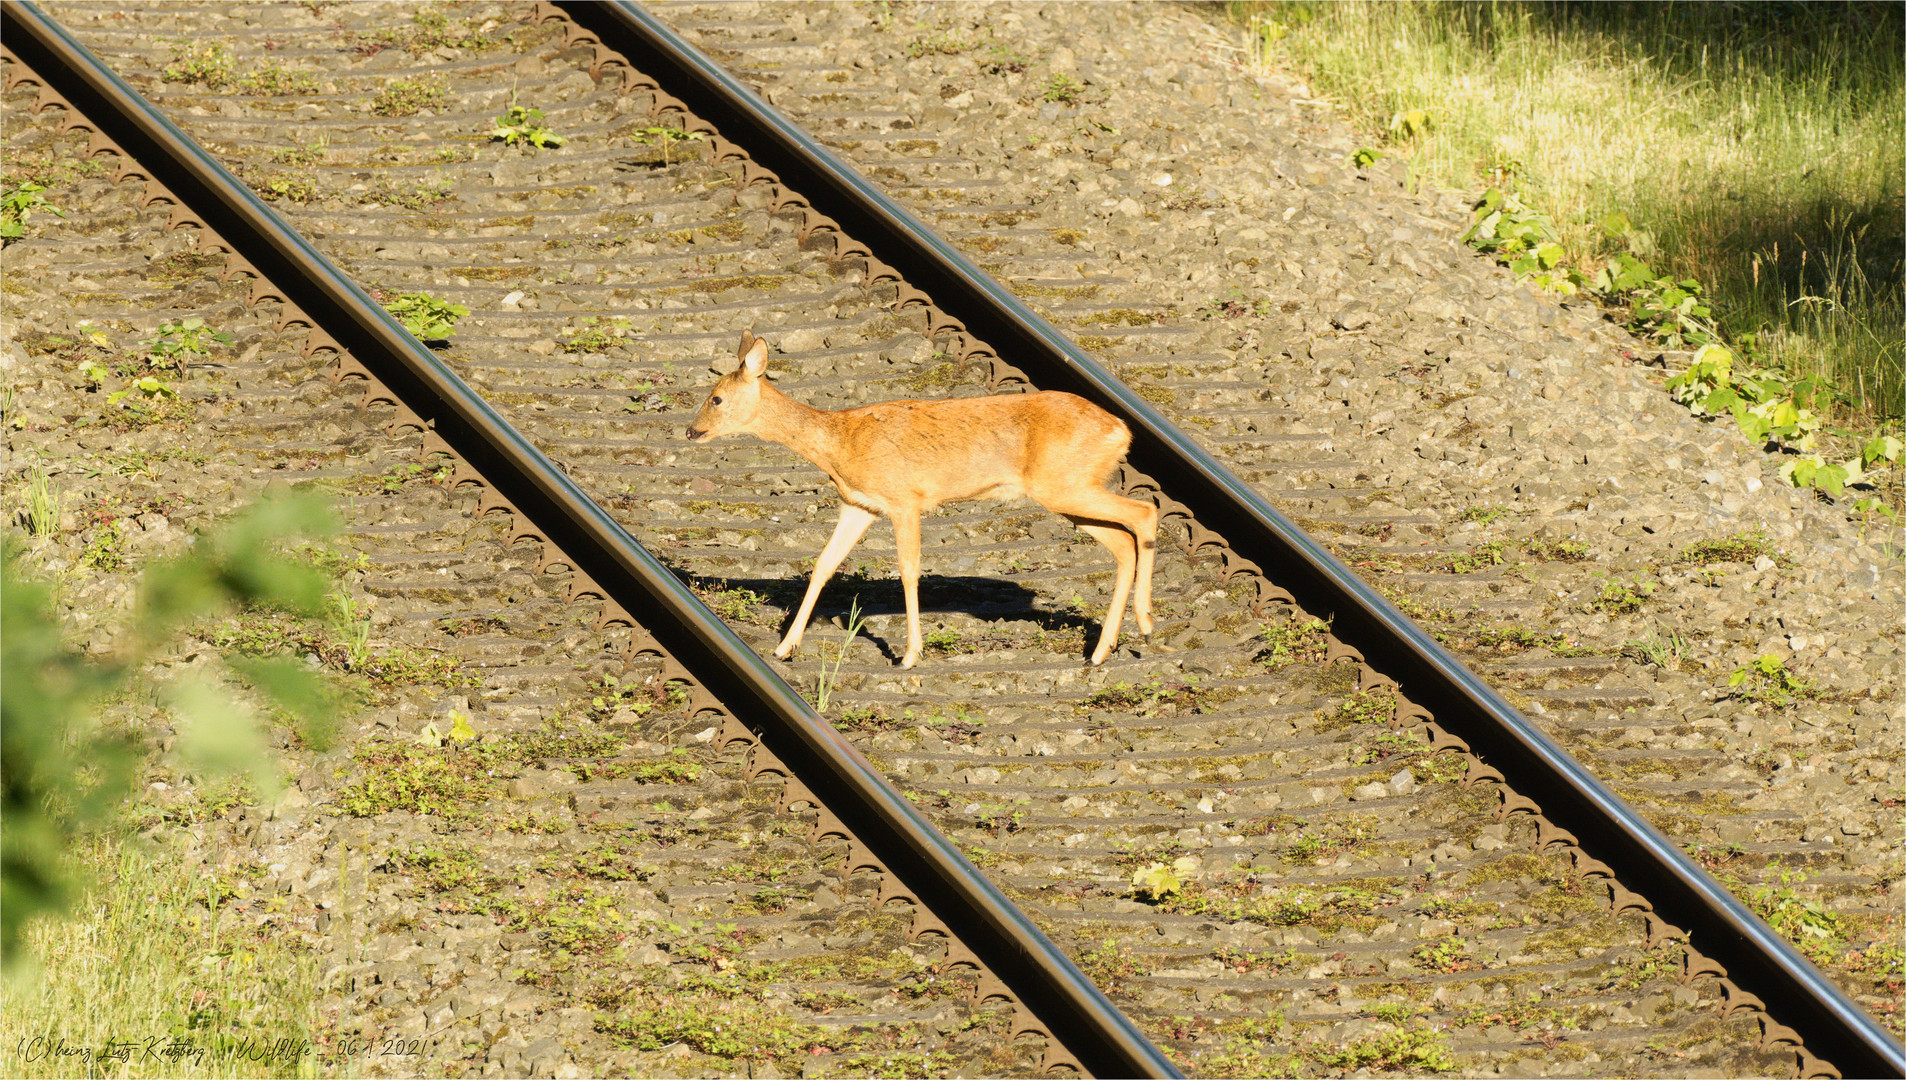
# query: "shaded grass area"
[144,982]
[1755,147]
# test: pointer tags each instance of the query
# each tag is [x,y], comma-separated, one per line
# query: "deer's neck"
[809,432]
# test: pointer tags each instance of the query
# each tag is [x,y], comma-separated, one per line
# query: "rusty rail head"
[1572,801]
[927,865]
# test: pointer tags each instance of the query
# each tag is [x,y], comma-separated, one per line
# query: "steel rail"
[1046,982]
[1756,958]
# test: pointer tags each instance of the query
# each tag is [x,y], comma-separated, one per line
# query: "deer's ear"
[747,342]
[755,360]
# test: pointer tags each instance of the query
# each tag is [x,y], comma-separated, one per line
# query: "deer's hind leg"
[1124,550]
[1129,529]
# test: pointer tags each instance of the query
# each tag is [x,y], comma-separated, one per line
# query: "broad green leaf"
[1830,479]
[219,735]
[1157,880]
[1755,427]
[297,689]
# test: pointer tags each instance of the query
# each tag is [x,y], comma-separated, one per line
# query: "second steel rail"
[1757,959]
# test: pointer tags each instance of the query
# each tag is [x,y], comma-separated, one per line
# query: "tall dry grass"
[1758,148]
[141,981]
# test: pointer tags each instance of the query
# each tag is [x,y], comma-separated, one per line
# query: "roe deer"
[901,458]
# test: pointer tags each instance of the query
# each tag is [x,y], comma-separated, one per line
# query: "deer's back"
[931,452]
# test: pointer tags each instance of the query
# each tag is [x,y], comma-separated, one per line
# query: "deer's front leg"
[906,542]
[853,522]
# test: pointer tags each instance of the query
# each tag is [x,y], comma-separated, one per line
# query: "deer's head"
[732,403]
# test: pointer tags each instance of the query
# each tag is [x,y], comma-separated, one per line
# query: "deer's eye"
[716,400]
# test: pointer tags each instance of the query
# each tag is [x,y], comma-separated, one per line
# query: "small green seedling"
[667,137]
[830,678]
[148,386]
[525,125]
[1062,89]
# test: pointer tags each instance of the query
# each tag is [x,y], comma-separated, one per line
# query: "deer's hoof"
[909,660]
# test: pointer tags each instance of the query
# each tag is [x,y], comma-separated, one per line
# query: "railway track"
[1319,888]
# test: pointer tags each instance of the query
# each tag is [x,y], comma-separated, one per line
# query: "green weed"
[202,63]
[426,317]
[1062,89]
[18,204]
[407,97]
[1768,681]
[525,126]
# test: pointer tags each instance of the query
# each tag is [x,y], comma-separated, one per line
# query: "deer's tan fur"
[903,458]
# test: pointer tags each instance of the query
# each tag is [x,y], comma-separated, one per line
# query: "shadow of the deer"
[984,598]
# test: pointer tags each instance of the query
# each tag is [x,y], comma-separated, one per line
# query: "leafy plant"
[18,204]
[1291,642]
[178,343]
[1767,680]
[1410,123]
[1556,550]
[63,772]
[302,153]
[1450,954]
[104,549]
[525,125]
[943,39]
[460,731]
[1809,924]
[1158,882]
[1672,313]
[274,186]
[1743,547]
[1768,409]
[1525,238]
[426,317]
[1482,558]
[1664,653]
